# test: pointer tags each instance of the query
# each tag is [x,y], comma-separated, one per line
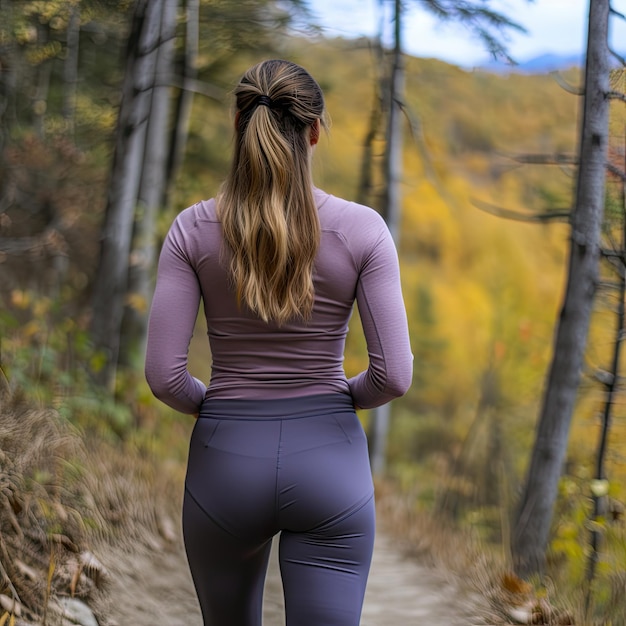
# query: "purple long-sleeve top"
[253,359]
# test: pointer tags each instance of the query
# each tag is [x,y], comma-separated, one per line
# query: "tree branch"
[21,244]
[577,91]
[614,246]
[479,20]
[619,57]
[547,159]
[602,376]
[194,85]
[621,16]
[415,126]
[611,253]
[616,171]
[560,215]
[609,285]
[616,95]
[46,238]
[614,260]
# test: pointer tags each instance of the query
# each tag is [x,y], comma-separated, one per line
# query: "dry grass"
[62,501]
[495,595]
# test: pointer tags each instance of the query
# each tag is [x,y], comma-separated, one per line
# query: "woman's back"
[252,358]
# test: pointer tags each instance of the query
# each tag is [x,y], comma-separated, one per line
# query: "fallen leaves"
[523,605]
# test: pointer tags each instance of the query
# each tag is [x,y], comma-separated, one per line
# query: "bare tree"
[44,69]
[151,192]
[8,75]
[615,256]
[532,524]
[391,209]
[112,276]
[70,67]
[184,100]
[482,21]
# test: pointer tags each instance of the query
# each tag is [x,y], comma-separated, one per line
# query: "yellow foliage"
[137,302]
[31,329]
[20,299]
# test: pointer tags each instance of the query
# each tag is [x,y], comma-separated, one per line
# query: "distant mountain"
[541,64]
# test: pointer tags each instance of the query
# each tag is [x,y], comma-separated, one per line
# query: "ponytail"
[266,206]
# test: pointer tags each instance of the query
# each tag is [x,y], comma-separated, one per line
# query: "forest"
[116,115]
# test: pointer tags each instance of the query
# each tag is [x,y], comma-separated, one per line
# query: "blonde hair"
[266,206]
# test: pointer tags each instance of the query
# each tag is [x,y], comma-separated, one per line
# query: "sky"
[553,26]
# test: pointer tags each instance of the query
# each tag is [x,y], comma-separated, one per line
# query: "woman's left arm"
[384,320]
[172,319]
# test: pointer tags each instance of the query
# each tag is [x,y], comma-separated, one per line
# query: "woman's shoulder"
[346,215]
[202,211]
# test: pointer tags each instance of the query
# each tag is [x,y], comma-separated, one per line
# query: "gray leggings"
[295,466]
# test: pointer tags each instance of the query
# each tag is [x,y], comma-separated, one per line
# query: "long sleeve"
[172,319]
[383,316]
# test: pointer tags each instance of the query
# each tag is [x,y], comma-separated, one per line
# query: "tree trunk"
[391,212]
[8,89]
[393,153]
[70,68]
[532,525]
[599,491]
[151,194]
[40,99]
[112,274]
[377,115]
[184,102]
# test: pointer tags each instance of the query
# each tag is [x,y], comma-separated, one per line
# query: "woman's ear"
[314,135]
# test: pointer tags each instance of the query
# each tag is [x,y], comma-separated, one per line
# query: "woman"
[277,447]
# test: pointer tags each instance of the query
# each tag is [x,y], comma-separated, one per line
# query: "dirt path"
[154,587]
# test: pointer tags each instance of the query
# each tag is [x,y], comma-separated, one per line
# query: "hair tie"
[265,101]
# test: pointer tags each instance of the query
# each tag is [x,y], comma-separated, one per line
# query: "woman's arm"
[172,320]
[383,316]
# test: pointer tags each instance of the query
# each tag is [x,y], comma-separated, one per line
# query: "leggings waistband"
[276,408]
